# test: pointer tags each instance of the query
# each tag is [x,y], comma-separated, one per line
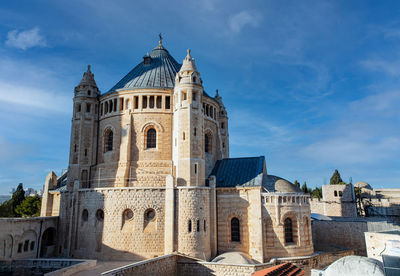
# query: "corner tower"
[83,130]
[188,155]
[193,210]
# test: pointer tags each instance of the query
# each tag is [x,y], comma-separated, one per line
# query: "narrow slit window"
[198,226]
[158,101]
[88,105]
[121,104]
[167,102]
[115,105]
[144,101]
[189,226]
[151,102]
[136,102]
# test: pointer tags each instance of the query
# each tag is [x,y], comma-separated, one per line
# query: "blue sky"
[312,85]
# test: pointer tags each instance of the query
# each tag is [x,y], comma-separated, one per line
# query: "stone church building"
[149,174]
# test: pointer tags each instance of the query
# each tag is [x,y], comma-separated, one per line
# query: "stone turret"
[223,126]
[188,158]
[188,155]
[84,130]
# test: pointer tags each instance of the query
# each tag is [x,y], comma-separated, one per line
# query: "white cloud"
[25,39]
[33,97]
[365,132]
[238,21]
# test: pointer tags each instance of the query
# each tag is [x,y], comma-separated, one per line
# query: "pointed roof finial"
[88,67]
[188,52]
[216,93]
[160,41]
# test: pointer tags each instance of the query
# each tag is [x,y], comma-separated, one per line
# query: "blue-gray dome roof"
[157,70]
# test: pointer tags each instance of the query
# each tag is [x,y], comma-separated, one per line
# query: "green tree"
[29,207]
[336,179]
[7,209]
[317,192]
[17,198]
[297,184]
[304,188]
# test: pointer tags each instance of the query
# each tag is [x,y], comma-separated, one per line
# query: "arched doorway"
[48,242]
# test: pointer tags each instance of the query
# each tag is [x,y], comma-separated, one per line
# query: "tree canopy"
[336,178]
[29,207]
[19,206]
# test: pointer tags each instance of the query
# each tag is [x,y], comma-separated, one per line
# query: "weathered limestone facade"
[24,238]
[150,174]
[337,200]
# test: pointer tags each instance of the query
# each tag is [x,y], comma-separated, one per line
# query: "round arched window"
[150,214]
[100,215]
[128,214]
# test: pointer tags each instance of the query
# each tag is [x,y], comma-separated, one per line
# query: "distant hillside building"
[150,174]
[337,200]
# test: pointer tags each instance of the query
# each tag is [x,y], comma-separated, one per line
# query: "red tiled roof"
[286,269]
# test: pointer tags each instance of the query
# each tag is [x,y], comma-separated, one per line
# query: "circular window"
[85,215]
[150,214]
[100,215]
[128,214]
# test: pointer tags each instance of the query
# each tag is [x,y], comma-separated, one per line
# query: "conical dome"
[188,63]
[157,70]
[88,78]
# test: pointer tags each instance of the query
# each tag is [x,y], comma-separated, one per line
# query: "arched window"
[335,193]
[151,138]
[189,226]
[149,215]
[100,215]
[235,230]
[288,231]
[108,140]
[207,143]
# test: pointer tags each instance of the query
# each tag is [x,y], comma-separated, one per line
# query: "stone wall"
[337,200]
[119,223]
[177,264]
[376,242]
[193,235]
[164,265]
[345,234]
[278,207]
[21,238]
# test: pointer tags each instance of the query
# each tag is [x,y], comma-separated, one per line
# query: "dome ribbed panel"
[159,73]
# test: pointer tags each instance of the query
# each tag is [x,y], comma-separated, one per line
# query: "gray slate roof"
[159,72]
[249,172]
[232,172]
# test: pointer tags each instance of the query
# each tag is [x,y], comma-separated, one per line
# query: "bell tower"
[84,130]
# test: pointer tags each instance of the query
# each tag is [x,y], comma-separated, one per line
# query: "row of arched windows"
[150,138]
[210,111]
[127,214]
[288,230]
[198,226]
[139,102]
